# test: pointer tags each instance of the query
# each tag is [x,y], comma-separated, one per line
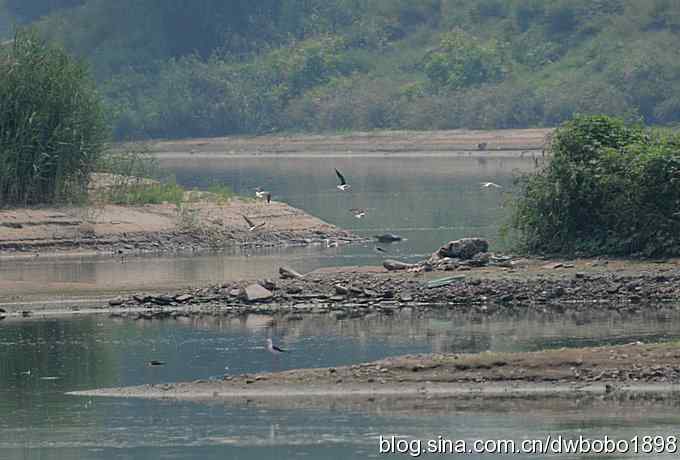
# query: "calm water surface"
[40,360]
[427,200]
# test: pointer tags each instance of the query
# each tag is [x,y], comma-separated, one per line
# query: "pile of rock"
[462,254]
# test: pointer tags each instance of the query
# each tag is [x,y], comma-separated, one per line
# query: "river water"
[427,200]
[41,360]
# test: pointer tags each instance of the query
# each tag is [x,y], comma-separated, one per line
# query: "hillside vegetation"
[178,68]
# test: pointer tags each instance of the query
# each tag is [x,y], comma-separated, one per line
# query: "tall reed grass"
[52,127]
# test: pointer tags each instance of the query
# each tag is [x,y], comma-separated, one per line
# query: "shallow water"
[429,201]
[38,421]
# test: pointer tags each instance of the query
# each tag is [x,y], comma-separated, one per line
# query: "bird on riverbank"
[273,349]
[263,195]
[358,212]
[251,225]
[343,186]
[489,185]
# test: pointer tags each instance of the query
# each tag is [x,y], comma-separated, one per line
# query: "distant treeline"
[176,68]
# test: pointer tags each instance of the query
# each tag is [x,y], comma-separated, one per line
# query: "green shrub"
[52,128]
[607,188]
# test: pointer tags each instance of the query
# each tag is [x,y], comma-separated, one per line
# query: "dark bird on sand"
[251,225]
[343,186]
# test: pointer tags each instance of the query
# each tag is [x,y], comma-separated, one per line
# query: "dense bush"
[51,123]
[607,188]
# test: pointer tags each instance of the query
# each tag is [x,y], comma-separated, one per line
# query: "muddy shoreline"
[504,142]
[598,370]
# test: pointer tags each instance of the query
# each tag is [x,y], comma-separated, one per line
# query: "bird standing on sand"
[273,349]
[343,186]
[489,185]
[263,195]
[251,225]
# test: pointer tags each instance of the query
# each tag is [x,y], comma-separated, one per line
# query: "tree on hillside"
[52,127]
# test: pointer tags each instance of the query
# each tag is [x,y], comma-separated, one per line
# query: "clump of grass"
[145,193]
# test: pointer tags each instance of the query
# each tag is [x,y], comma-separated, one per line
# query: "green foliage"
[607,188]
[145,193]
[52,127]
[462,60]
[240,66]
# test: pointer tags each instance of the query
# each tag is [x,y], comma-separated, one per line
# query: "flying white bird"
[251,225]
[343,186]
[489,185]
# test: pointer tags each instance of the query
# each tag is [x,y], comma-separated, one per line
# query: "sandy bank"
[509,142]
[633,367]
[160,227]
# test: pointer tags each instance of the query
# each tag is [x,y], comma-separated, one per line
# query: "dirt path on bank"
[648,367]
